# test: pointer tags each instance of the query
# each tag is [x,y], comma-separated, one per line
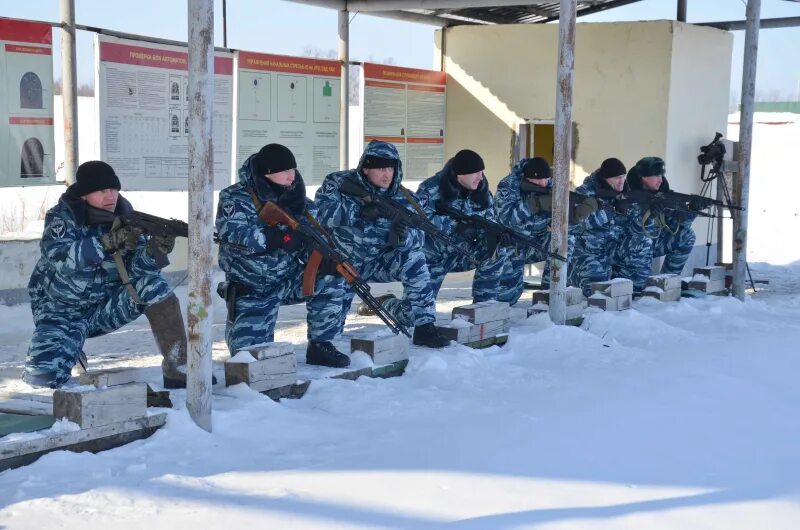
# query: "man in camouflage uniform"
[615,240]
[362,232]
[530,211]
[78,290]
[264,264]
[675,238]
[462,185]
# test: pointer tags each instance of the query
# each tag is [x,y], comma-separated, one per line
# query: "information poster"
[26,103]
[292,101]
[406,107]
[143,113]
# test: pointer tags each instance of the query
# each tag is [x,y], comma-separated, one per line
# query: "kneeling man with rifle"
[98,271]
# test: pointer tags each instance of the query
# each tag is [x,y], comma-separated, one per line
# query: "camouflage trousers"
[675,248]
[512,279]
[418,305]
[255,313]
[62,329]
[485,283]
[598,257]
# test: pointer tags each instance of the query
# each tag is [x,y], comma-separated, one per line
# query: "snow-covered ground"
[675,415]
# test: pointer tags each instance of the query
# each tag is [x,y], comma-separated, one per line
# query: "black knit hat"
[377,162]
[651,166]
[611,167]
[466,162]
[274,158]
[536,168]
[94,175]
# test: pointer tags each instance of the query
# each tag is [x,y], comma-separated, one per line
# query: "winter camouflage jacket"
[513,210]
[443,187]
[671,221]
[360,239]
[244,253]
[606,221]
[73,268]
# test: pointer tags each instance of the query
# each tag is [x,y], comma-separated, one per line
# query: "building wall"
[500,76]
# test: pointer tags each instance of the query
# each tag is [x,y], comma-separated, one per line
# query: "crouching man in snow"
[92,279]
[264,264]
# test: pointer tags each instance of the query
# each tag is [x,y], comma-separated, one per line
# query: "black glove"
[622,204]
[540,202]
[327,267]
[281,236]
[467,232]
[583,210]
[163,244]
[122,237]
[370,211]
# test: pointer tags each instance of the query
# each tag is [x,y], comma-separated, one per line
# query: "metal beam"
[741,179]
[344,89]
[69,90]
[681,16]
[201,203]
[408,16]
[767,23]
[563,160]
[389,5]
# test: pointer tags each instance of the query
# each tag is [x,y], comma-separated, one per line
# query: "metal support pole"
[344,97]
[741,182]
[563,159]
[224,23]
[201,179]
[681,17]
[69,89]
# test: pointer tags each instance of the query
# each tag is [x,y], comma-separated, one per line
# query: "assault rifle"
[151,225]
[494,231]
[575,198]
[322,247]
[402,217]
[672,200]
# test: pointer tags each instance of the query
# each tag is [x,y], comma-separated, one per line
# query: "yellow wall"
[636,89]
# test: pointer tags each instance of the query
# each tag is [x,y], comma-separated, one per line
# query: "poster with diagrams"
[293,101]
[143,113]
[27,145]
[406,107]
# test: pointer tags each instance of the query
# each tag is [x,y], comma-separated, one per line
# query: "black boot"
[169,330]
[428,335]
[366,311]
[325,354]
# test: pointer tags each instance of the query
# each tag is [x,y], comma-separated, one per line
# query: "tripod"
[716,173]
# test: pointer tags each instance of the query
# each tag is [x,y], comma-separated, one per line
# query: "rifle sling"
[413,202]
[126,281]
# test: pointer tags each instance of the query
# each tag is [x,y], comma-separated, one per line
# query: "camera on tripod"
[713,153]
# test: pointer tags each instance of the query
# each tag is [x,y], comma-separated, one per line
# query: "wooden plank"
[712,273]
[606,303]
[486,330]
[671,295]
[268,349]
[483,312]
[459,334]
[665,282]
[264,374]
[711,286]
[573,295]
[613,288]
[94,407]
[113,377]
[25,406]
[398,344]
[22,452]
[573,312]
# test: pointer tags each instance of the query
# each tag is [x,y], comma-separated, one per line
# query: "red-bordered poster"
[143,113]
[27,146]
[406,107]
[293,101]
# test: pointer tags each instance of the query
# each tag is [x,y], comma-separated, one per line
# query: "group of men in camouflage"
[92,278]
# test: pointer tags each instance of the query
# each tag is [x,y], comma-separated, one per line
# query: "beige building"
[641,88]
